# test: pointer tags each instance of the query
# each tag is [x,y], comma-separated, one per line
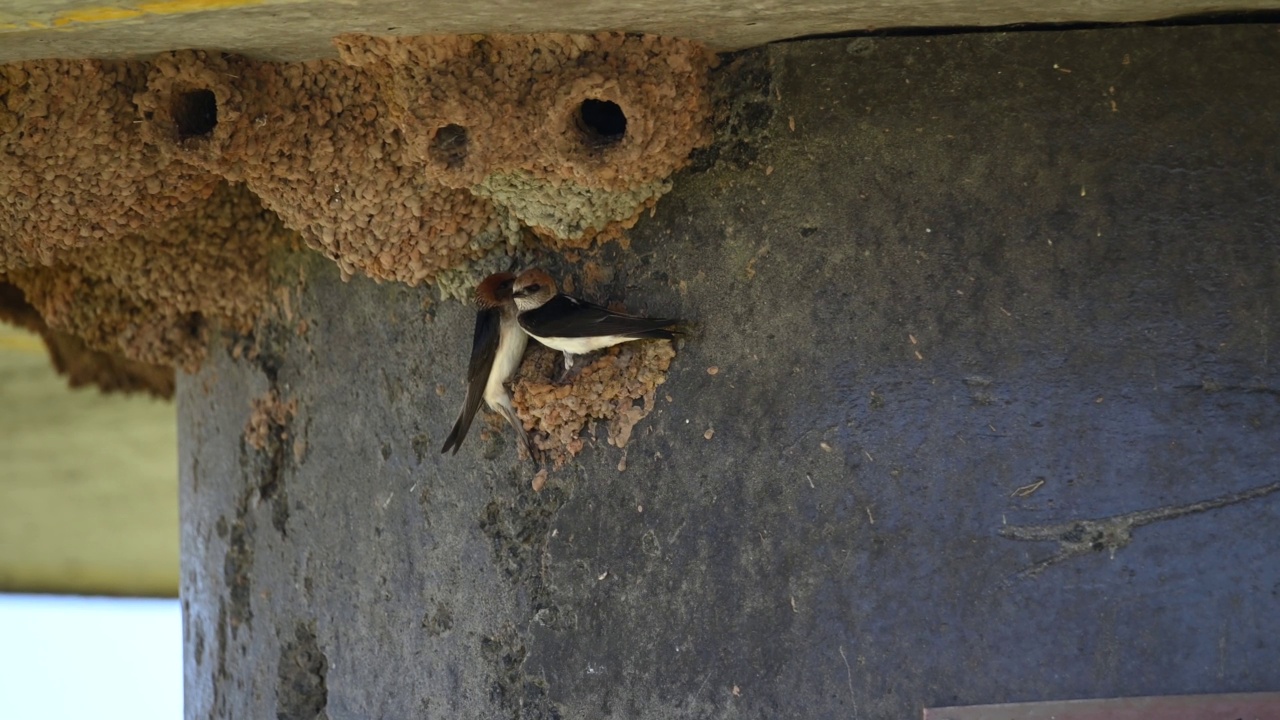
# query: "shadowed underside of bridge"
[979,405]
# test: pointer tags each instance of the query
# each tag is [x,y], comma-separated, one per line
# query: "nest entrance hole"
[195,113]
[602,122]
[449,146]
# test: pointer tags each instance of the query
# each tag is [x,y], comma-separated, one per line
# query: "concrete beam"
[301,29]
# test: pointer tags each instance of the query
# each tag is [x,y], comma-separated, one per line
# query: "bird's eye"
[534,288]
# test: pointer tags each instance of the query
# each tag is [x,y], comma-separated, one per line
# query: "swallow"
[574,326]
[496,349]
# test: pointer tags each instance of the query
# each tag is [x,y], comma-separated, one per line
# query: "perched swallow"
[577,327]
[496,349]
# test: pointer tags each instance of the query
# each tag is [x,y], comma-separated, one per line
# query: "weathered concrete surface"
[301,29]
[961,293]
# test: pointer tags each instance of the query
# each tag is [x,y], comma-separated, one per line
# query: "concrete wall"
[994,417]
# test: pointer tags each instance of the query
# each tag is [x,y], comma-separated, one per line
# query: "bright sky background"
[101,658]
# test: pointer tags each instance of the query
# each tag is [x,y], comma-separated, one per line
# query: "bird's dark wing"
[567,317]
[484,347]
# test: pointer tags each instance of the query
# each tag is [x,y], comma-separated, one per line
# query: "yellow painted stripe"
[173,7]
[95,15]
[115,13]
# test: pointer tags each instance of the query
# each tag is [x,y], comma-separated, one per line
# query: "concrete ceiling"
[300,29]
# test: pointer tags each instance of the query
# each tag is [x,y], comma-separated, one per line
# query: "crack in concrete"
[1078,537]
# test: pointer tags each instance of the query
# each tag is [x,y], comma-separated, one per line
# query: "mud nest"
[619,388]
[139,201]
[151,296]
[313,142]
[82,365]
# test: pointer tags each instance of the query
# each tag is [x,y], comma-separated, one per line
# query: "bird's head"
[494,290]
[532,289]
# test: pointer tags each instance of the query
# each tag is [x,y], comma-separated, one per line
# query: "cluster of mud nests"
[140,201]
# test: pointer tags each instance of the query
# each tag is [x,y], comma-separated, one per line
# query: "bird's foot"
[571,369]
